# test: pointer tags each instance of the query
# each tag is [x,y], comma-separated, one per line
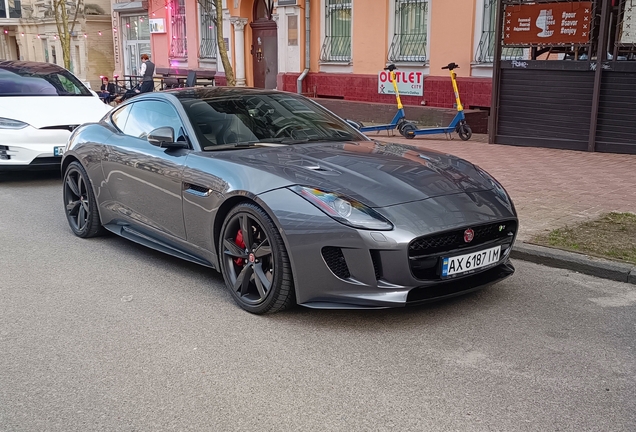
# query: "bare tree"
[65,28]
[215,8]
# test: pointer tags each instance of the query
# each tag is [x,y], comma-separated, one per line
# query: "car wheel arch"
[67,161]
[243,197]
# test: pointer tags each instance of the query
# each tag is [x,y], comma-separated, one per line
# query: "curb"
[573,261]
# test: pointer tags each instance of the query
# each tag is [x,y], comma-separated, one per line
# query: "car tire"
[80,204]
[254,261]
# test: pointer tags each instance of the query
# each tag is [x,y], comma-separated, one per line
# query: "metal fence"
[207,44]
[411,29]
[178,45]
[337,44]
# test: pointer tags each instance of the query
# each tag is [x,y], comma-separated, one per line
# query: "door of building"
[264,45]
[136,43]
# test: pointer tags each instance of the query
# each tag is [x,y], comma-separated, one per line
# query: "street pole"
[598,73]
[496,74]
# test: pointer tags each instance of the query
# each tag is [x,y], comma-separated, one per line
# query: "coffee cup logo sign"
[548,23]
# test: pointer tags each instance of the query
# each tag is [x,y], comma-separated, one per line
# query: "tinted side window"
[149,115]
[120,116]
[15,81]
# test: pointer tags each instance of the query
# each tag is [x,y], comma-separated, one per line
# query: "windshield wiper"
[285,140]
[242,144]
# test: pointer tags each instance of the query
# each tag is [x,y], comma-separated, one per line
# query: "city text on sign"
[548,23]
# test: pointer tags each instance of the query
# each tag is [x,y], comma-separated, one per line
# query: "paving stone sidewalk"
[550,188]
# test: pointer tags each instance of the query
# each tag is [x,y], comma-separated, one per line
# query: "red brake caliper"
[240,243]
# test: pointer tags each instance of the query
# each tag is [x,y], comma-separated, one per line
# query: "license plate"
[469,262]
[58,151]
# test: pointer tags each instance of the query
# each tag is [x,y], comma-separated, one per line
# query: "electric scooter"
[458,124]
[399,119]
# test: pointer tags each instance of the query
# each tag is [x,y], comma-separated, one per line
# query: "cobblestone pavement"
[550,188]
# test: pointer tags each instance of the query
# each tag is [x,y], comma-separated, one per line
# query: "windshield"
[264,118]
[16,81]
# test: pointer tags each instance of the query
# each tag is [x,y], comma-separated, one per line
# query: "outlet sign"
[408,83]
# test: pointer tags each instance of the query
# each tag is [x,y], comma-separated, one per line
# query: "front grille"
[48,160]
[456,287]
[3,153]
[336,261]
[425,252]
[455,239]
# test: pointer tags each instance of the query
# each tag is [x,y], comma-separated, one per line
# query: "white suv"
[40,105]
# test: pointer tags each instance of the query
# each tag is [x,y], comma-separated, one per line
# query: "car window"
[16,81]
[262,117]
[146,116]
[120,115]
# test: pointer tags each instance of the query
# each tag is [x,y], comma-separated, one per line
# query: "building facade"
[344,45]
[29,32]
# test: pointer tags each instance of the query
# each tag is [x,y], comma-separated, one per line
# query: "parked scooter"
[458,124]
[399,119]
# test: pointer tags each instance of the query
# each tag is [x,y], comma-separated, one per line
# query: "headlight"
[6,123]
[343,209]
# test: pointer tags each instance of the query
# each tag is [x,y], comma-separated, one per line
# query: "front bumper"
[339,267]
[31,147]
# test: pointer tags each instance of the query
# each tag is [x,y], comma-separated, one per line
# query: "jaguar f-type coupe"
[288,201]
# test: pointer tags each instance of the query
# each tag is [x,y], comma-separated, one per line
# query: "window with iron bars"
[207,20]
[410,34]
[337,44]
[178,45]
[486,48]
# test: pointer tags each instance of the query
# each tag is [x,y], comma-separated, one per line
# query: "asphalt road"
[105,335]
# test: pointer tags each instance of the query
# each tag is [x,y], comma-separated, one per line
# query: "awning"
[133,6]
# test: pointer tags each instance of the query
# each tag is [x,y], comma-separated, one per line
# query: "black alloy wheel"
[464,131]
[254,262]
[79,202]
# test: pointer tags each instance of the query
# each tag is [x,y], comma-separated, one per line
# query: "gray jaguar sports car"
[289,202]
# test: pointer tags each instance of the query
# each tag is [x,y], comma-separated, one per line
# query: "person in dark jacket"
[107,91]
[147,72]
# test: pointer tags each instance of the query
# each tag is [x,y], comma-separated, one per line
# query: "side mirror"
[164,137]
[355,124]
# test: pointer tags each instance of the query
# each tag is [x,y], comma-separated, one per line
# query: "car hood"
[376,174]
[48,111]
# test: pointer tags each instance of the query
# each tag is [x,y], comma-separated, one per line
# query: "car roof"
[39,67]
[216,92]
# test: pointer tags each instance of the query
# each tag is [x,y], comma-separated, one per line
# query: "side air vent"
[377,264]
[336,261]
[196,190]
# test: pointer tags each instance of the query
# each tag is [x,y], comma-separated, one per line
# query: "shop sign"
[548,23]
[408,83]
[157,25]
[628,30]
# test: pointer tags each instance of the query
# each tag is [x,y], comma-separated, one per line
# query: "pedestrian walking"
[147,72]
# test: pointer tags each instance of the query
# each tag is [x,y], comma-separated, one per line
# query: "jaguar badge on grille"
[469,235]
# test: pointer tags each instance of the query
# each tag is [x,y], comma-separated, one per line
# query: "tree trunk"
[229,72]
[64,33]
